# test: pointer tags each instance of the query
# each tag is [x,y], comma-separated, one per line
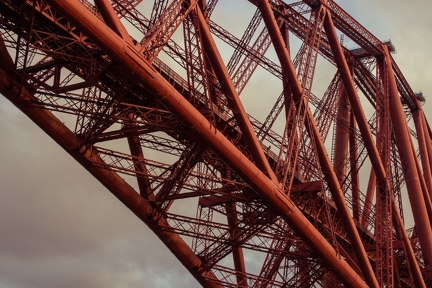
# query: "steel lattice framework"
[140,96]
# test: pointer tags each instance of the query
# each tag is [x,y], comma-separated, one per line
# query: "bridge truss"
[146,99]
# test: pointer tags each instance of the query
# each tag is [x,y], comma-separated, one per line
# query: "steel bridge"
[153,99]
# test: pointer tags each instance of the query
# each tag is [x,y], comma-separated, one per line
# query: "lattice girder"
[166,114]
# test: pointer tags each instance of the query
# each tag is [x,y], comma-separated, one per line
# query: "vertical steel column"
[352,95]
[423,149]
[333,183]
[354,169]
[342,138]
[428,140]
[412,179]
[410,255]
[427,199]
[238,256]
[370,193]
[384,244]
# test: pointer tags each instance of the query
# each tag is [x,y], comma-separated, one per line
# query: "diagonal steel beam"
[232,97]
[414,179]
[112,20]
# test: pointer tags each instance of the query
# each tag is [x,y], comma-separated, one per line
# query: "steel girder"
[221,158]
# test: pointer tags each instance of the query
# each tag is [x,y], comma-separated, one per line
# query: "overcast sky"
[60,228]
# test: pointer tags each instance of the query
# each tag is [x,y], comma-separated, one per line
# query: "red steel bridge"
[154,100]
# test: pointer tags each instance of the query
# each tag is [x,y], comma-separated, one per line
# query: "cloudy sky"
[60,228]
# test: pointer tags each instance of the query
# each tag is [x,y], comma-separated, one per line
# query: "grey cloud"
[60,228]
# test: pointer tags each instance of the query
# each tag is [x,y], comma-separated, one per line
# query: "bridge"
[250,175]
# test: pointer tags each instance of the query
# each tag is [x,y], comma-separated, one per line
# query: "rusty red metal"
[275,193]
[412,174]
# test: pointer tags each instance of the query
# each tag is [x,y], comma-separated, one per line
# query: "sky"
[60,228]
